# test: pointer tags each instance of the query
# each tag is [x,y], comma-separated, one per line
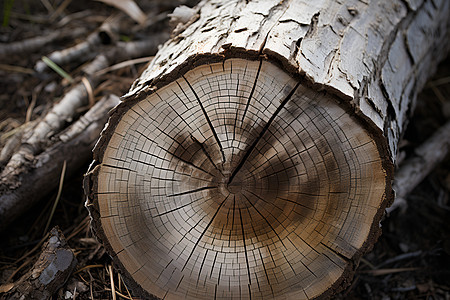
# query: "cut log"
[254,157]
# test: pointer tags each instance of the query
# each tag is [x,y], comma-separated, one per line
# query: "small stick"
[16,69]
[48,6]
[400,257]
[82,50]
[381,272]
[35,43]
[59,10]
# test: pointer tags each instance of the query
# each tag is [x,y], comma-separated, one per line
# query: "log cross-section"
[237,180]
[238,166]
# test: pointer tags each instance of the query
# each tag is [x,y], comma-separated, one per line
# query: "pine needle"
[7,6]
[87,267]
[128,292]
[57,68]
[111,277]
[61,181]
[16,69]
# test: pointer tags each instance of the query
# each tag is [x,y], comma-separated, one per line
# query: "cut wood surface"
[254,157]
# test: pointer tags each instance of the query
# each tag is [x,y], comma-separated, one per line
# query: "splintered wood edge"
[90,182]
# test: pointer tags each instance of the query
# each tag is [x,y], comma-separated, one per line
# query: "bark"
[49,273]
[254,156]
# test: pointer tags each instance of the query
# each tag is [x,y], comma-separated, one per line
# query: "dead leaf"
[129,7]
[182,14]
[4,288]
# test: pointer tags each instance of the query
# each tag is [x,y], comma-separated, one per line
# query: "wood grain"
[253,158]
[237,181]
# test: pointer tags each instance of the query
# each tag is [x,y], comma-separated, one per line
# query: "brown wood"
[243,164]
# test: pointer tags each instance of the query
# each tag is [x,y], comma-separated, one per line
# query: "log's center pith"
[235,187]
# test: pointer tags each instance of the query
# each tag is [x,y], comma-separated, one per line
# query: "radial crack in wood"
[236,180]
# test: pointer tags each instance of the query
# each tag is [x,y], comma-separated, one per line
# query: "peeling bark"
[341,48]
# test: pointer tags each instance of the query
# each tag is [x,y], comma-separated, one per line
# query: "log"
[254,157]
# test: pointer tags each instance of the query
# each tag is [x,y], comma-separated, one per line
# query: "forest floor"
[411,260]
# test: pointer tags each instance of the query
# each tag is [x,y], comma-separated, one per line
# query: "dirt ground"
[411,260]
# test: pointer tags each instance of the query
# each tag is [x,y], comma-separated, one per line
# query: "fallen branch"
[42,173]
[413,170]
[107,31]
[31,163]
[54,266]
[32,44]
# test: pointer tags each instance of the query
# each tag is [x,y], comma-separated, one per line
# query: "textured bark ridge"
[253,158]
[48,274]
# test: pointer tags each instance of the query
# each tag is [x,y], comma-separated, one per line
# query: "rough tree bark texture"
[254,157]
[49,273]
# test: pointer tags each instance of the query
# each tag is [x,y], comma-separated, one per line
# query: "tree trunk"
[254,157]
